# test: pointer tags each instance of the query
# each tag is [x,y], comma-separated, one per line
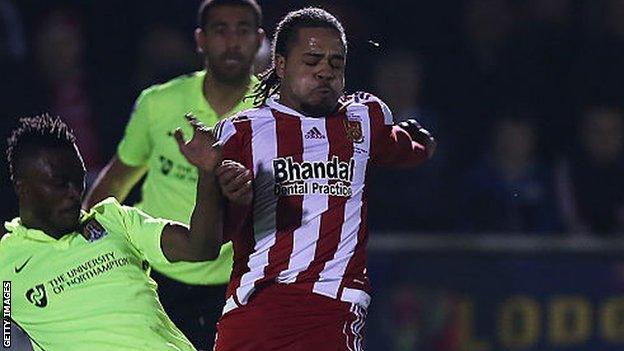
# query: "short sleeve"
[381,122]
[136,146]
[145,233]
[391,146]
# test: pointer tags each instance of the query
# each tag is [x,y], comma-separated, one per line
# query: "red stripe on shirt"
[289,208]
[238,220]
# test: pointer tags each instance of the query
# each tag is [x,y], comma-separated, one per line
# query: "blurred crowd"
[525,97]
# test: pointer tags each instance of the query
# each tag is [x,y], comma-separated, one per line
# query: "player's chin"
[67,227]
[320,107]
[68,220]
[234,73]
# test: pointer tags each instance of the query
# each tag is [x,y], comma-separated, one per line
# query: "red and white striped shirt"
[307,224]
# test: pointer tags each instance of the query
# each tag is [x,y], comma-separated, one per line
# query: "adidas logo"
[314,133]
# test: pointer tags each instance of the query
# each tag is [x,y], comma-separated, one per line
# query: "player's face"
[230,42]
[313,73]
[51,188]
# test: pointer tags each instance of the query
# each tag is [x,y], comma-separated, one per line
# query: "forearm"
[205,235]
[116,180]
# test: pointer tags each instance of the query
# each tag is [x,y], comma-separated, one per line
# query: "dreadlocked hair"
[285,36]
[269,85]
[35,133]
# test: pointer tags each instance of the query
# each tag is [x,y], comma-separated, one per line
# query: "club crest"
[94,231]
[354,131]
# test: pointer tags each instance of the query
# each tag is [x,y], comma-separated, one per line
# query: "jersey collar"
[273,103]
[16,228]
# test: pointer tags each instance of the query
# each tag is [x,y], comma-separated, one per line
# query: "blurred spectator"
[14,91]
[488,26]
[164,53]
[510,189]
[59,54]
[12,44]
[599,74]
[12,65]
[590,187]
[540,66]
[397,78]
[550,13]
[398,81]
[468,82]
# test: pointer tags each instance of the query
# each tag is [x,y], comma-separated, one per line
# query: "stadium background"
[508,240]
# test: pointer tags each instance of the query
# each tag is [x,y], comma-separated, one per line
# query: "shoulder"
[3,234]
[175,84]
[114,217]
[108,212]
[360,97]
[6,240]
[378,109]
[171,88]
[10,243]
[250,114]
[107,205]
[6,235]
[228,127]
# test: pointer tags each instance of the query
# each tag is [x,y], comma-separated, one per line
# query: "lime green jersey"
[92,291]
[170,186]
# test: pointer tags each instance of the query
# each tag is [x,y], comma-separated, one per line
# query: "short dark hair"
[35,133]
[207,5]
[286,34]
[309,17]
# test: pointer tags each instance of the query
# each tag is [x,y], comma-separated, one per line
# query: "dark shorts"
[194,309]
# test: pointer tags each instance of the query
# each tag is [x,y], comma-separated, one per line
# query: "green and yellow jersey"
[170,186]
[90,290]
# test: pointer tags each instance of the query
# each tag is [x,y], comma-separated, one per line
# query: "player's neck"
[31,222]
[287,101]
[223,96]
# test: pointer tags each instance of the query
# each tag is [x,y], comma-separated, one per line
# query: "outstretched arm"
[203,239]
[405,144]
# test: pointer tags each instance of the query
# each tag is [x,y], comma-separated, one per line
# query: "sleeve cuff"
[153,249]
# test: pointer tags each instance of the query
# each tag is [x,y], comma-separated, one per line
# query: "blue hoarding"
[496,299]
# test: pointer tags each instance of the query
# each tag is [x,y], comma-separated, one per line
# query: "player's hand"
[202,150]
[236,182]
[419,135]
